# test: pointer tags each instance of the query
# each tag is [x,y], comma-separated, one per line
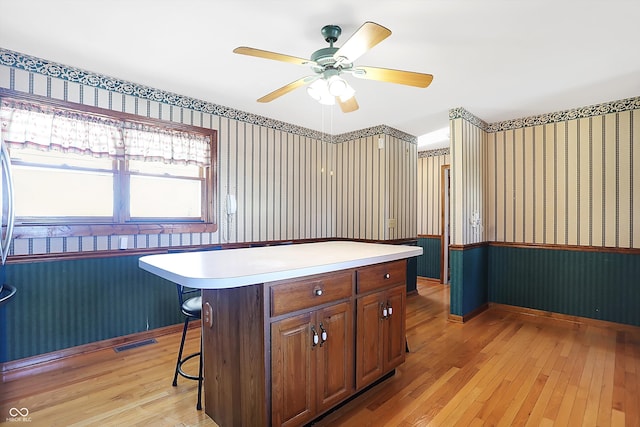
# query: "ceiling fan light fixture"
[319,91]
[337,85]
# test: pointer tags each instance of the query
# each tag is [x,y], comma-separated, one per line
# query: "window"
[79,166]
[62,187]
[151,184]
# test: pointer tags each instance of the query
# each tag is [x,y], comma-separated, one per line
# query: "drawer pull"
[387,276]
[318,292]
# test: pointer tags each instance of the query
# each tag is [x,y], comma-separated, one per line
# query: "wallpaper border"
[52,69]
[461,113]
[566,115]
[433,153]
[617,106]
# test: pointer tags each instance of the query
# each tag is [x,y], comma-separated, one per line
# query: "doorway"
[445,239]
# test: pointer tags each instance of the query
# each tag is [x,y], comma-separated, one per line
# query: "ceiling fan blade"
[287,88]
[349,105]
[365,37]
[394,76]
[243,50]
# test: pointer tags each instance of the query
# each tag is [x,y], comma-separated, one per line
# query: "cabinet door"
[394,328]
[334,374]
[369,339]
[293,380]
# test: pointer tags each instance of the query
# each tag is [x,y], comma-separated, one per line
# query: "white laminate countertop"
[230,268]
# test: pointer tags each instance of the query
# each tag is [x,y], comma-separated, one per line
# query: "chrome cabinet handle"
[387,276]
[323,334]
[387,310]
[318,292]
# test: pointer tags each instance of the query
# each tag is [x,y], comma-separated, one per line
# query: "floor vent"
[134,345]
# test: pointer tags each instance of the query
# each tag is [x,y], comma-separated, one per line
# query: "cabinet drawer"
[310,292]
[381,276]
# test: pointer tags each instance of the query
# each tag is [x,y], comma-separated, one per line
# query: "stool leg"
[184,334]
[200,378]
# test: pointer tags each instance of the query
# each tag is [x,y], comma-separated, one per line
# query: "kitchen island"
[290,331]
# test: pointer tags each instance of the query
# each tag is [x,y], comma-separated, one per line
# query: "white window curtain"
[144,142]
[28,125]
[31,125]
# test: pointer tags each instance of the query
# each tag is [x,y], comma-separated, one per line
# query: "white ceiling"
[499,60]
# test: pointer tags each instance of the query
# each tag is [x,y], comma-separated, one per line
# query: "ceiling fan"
[328,64]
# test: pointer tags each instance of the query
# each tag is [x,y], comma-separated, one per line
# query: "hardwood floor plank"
[617,419]
[595,392]
[529,402]
[606,399]
[527,381]
[415,409]
[580,404]
[564,364]
[469,415]
[566,406]
[536,415]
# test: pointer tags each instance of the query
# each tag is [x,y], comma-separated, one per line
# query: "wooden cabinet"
[311,353]
[284,353]
[334,355]
[380,329]
[292,373]
[394,334]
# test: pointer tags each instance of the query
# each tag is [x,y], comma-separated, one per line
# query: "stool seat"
[6,293]
[192,307]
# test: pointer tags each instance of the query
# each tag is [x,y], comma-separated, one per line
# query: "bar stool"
[191,307]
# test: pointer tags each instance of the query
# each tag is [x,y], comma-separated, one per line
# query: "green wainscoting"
[61,304]
[429,261]
[598,285]
[469,286]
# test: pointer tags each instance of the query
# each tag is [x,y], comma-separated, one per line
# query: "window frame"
[121,225]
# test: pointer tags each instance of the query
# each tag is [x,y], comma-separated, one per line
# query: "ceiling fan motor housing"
[324,56]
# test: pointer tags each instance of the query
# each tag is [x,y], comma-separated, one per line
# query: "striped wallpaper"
[289,186]
[289,182]
[565,180]
[468,174]
[572,182]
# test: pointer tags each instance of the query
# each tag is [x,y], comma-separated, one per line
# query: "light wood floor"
[501,368]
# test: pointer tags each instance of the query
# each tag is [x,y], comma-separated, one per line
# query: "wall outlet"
[123,243]
[391,222]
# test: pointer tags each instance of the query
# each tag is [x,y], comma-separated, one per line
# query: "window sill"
[75,230]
